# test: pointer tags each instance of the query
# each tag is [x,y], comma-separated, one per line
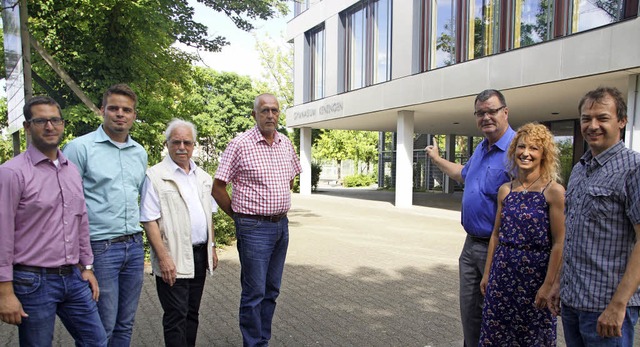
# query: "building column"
[404,160]
[450,148]
[632,136]
[305,160]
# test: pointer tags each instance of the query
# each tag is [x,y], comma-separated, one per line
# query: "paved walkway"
[359,272]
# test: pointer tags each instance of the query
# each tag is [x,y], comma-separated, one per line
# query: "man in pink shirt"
[46,262]
[261,164]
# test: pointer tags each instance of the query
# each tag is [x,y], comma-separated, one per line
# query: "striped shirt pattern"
[602,207]
[260,173]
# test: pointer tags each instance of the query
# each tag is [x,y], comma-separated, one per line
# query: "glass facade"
[316,54]
[381,41]
[454,31]
[589,14]
[444,41]
[533,22]
[367,43]
[355,39]
[300,6]
[482,26]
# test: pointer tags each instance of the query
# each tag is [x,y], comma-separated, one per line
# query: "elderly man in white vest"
[176,210]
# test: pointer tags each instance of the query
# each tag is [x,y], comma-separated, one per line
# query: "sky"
[240,55]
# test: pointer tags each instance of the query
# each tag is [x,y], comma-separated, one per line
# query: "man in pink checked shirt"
[261,164]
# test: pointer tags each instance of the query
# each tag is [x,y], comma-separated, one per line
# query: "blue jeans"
[119,268]
[580,328]
[69,296]
[262,247]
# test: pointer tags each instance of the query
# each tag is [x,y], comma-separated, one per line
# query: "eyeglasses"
[491,112]
[41,122]
[186,143]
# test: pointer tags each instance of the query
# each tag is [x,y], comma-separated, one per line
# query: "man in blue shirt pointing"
[482,175]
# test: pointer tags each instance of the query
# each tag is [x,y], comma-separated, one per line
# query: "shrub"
[223,225]
[358,180]
[224,228]
[316,169]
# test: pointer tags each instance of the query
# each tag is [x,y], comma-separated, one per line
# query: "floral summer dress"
[509,316]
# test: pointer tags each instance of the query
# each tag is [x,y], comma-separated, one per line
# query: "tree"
[610,7]
[220,105]
[6,144]
[332,145]
[363,147]
[446,43]
[103,42]
[277,61]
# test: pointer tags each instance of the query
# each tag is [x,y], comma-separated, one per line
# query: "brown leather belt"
[273,219]
[62,270]
[123,238]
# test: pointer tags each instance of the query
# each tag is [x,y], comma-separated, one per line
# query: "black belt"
[123,238]
[484,240]
[274,219]
[62,270]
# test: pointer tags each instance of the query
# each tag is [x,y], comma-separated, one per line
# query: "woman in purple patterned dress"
[525,249]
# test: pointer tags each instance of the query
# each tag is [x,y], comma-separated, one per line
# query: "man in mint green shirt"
[113,166]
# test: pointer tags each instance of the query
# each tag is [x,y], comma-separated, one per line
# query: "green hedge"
[358,180]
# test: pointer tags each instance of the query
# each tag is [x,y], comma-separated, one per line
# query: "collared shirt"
[260,173]
[483,175]
[112,178]
[602,206]
[150,202]
[43,218]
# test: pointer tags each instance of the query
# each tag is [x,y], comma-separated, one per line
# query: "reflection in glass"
[356,49]
[316,64]
[589,14]
[368,42]
[484,29]
[382,41]
[532,22]
[445,43]
[563,136]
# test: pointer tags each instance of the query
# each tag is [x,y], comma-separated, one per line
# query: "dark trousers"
[181,303]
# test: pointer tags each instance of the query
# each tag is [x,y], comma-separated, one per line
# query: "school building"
[413,67]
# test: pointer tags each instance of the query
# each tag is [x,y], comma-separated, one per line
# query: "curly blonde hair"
[539,135]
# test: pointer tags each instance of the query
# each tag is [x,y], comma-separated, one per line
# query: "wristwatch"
[88,267]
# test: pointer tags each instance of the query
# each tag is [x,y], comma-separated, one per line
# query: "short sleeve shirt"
[483,175]
[112,178]
[260,173]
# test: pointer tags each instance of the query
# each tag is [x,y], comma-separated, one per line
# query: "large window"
[316,76]
[300,6]
[439,38]
[367,43]
[454,31]
[533,22]
[484,28]
[589,14]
